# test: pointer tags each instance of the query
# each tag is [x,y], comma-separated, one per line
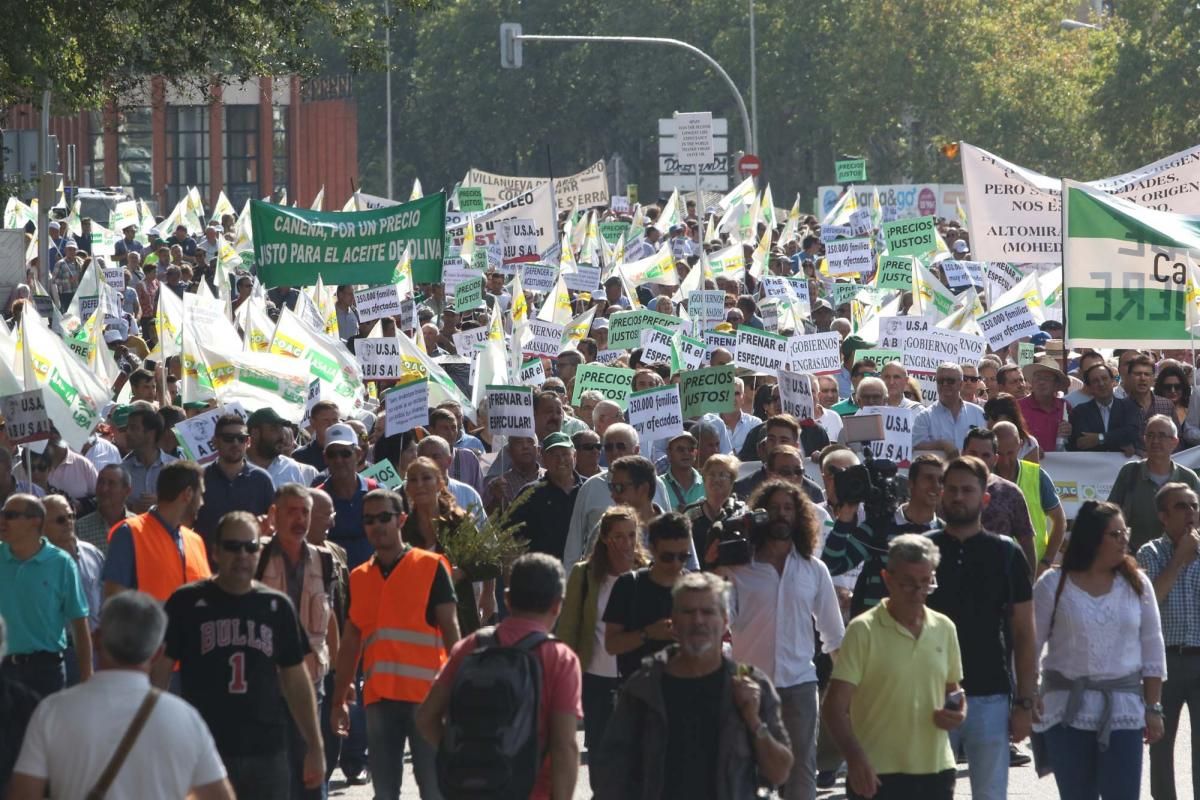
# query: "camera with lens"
[735,534]
[872,483]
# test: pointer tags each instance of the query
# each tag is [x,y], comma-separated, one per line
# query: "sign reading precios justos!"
[293,246]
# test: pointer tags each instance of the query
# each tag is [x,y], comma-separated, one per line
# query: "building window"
[134,146]
[187,153]
[241,153]
[279,161]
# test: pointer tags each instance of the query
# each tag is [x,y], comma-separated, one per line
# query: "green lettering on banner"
[469,294]
[908,237]
[612,231]
[261,380]
[707,391]
[852,170]
[479,259]
[384,474]
[293,246]
[895,272]
[845,292]
[322,366]
[615,383]
[1025,353]
[470,198]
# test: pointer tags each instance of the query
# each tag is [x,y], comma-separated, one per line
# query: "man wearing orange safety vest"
[403,621]
[155,552]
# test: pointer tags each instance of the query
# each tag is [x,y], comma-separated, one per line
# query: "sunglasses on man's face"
[337,453]
[594,446]
[250,547]
[230,438]
[383,518]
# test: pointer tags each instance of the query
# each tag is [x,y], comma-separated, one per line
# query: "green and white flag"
[1125,270]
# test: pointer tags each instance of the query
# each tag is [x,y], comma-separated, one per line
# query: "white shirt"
[831,421]
[602,664]
[936,422]
[732,441]
[285,469]
[74,733]
[466,496]
[102,453]
[772,616]
[1103,637]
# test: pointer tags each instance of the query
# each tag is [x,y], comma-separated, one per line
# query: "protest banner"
[1016,213]
[547,338]
[761,351]
[582,190]
[1005,325]
[844,292]
[1025,353]
[893,330]
[896,445]
[1002,276]
[656,268]
[772,286]
[692,351]
[708,307]
[656,345]
[455,272]
[378,359]
[910,237]
[533,373]
[831,232]
[656,413]
[609,356]
[533,206]
[615,383]
[25,417]
[539,278]
[292,246]
[625,327]
[853,170]
[470,198]
[962,273]
[895,272]
[706,391]
[510,410]
[469,294]
[880,358]
[1140,297]
[612,232]
[817,353]
[312,398]
[585,278]
[860,222]
[406,407]
[849,256]
[795,394]
[518,241]
[385,474]
[468,342]
[195,436]
[714,340]
[377,302]
[115,277]
[924,351]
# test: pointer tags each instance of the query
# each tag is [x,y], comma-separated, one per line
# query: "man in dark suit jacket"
[1105,423]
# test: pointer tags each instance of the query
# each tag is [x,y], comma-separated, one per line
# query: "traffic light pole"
[737,95]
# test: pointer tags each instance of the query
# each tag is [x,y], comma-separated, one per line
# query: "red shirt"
[1042,425]
[561,682]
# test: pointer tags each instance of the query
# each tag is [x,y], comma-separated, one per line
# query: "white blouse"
[1103,638]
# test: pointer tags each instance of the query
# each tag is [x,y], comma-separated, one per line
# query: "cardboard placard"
[406,407]
[817,353]
[656,413]
[378,359]
[547,338]
[615,383]
[795,394]
[706,391]
[761,351]
[849,256]
[377,302]
[1005,325]
[384,474]
[510,410]
[25,417]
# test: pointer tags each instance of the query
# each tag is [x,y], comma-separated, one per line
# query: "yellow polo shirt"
[899,682]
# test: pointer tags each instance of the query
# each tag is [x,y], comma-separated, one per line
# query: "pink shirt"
[1042,425]
[561,683]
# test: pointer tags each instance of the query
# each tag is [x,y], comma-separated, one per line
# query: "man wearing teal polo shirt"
[40,594]
[684,484]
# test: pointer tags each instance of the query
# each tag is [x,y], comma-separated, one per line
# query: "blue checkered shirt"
[1181,610]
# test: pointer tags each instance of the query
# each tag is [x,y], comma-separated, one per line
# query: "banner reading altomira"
[1125,271]
[292,246]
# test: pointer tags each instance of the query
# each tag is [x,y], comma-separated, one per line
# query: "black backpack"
[489,748]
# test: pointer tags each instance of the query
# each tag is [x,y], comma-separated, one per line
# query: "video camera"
[734,536]
[873,482]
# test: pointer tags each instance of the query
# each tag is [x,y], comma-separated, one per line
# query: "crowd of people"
[715,609]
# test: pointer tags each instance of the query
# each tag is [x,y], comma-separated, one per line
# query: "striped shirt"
[1181,610]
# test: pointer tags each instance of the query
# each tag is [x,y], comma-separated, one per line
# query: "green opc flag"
[1125,271]
[292,246]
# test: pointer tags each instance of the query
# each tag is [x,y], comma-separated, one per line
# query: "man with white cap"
[1043,408]
[961,250]
[347,489]
[599,333]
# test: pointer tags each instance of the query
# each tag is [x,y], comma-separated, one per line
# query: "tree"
[89,53]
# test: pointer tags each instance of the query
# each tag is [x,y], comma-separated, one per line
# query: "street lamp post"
[387,61]
[511,38]
[753,84]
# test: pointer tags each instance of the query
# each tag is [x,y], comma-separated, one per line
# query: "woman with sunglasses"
[618,551]
[1173,384]
[432,514]
[1104,662]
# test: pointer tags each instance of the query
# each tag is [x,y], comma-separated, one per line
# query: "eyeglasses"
[593,446]
[1171,388]
[383,518]
[230,438]
[338,453]
[925,586]
[611,446]
[250,547]
[11,515]
[972,378]
[667,558]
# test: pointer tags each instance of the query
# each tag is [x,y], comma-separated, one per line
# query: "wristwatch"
[1154,708]
[1101,438]
[1023,703]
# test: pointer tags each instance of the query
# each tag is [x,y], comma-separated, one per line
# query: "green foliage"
[892,80]
[484,552]
[87,53]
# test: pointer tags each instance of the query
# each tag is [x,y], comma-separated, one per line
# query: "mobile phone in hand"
[954,700]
